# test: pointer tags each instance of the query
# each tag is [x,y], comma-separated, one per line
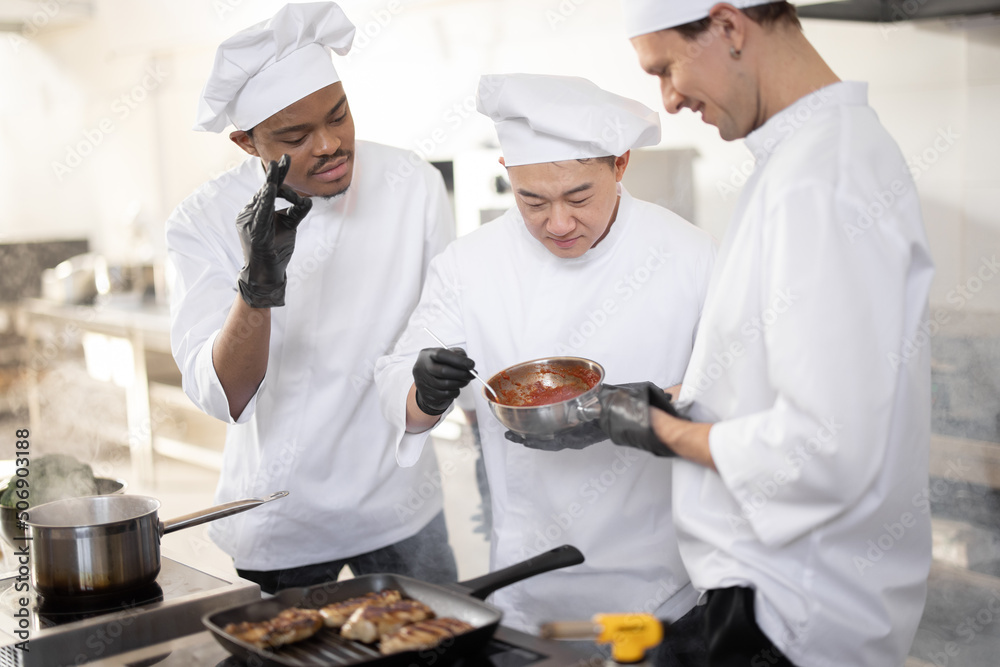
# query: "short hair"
[767,15]
[607,159]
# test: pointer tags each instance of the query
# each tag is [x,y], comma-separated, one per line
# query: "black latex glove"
[439,376]
[578,437]
[625,415]
[268,238]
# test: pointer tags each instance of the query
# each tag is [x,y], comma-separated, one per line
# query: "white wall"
[411,82]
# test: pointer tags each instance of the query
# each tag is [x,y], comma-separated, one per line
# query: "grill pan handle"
[560,557]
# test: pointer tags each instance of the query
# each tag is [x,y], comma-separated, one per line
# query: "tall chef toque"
[643,16]
[543,118]
[271,65]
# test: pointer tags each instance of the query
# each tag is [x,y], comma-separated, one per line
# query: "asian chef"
[808,395]
[279,316]
[578,267]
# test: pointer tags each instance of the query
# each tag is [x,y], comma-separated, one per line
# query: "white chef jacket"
[632,304]
[314,426]
[813,364]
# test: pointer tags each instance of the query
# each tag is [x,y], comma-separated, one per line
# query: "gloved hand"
[625,415]
[578,437]
[268,238]
[439,376]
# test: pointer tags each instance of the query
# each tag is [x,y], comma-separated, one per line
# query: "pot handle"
[217,512]
[557,558]
[590,409]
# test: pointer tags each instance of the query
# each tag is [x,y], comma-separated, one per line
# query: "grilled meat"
[255,634]
[291,625]
[423,635]
[369,624]
[336,614]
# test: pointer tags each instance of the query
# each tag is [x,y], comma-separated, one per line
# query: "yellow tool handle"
[630,635]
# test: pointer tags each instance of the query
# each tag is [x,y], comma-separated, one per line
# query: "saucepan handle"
[217,512]
[590,409]
[560,557]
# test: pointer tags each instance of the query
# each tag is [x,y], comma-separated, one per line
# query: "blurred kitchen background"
[97,99]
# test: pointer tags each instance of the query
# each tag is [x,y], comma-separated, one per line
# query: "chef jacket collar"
[764,141]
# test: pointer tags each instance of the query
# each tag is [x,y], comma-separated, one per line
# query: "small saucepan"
[545,397]
[11,529]
[98,545]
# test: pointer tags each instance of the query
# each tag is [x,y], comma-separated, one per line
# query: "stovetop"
[71,633]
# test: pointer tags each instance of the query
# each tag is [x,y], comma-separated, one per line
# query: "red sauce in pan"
[569,383]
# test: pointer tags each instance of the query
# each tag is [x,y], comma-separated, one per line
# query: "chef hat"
[642,16]
[543,118]
[265,68]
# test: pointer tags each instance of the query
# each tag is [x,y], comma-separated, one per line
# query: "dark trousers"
[683,644]
[731,632]
[425,556]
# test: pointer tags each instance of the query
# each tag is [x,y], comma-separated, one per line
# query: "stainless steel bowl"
[543,421]
[9,529]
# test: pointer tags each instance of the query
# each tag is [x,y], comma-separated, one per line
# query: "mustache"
[327,159]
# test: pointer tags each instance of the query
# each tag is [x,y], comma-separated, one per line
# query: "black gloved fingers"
[454,357]
[262,224]
[432,381]
[579,437]
[284,164]
[276,171]
[291,217]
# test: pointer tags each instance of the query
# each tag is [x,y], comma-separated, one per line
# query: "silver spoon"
[474,373]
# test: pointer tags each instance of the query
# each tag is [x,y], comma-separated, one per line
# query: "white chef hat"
[643,16]
[542,118]
[265,68]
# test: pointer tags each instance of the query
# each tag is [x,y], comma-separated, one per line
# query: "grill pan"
[326,648]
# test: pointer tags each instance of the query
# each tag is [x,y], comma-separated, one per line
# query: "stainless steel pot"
[13,533]
[545,421]
[107,544]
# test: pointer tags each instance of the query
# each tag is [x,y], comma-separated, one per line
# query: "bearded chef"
[809,402]
[274,324]
[579,267]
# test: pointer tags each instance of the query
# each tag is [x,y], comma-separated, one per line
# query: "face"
[317,132]
[702,76]
[568,206]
